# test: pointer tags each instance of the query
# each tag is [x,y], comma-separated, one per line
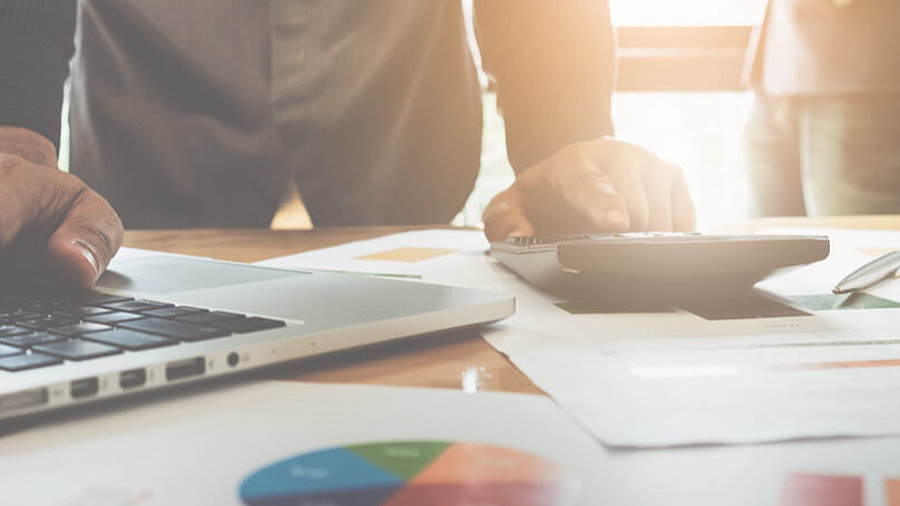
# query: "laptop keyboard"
[38,331]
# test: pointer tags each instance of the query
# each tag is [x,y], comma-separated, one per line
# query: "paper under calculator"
[655,265]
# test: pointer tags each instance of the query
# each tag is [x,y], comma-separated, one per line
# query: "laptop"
[157,319]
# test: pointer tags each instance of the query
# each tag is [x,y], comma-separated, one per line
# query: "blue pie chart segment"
[336,477]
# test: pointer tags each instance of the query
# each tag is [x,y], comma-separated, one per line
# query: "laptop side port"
[132,378]
[85,387]
[185,368]
[25,399]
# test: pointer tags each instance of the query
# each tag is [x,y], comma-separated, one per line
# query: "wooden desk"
[442,361]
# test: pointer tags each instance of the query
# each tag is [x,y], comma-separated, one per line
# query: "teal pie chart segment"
[335,477]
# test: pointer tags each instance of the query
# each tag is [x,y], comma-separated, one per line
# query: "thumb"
[86,239]
[505,216]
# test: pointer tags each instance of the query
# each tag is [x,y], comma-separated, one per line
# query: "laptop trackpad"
[168,275]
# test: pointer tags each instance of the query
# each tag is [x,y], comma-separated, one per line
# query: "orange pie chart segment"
[488,475]
[467,462]
[487,494]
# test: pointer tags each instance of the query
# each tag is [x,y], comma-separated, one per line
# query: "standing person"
[824,134]
[188,113]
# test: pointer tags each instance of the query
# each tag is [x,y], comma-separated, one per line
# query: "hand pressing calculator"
[654,266]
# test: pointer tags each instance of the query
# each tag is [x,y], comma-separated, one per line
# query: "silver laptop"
[159,320]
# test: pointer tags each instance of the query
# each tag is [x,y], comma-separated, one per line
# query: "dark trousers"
[824,155]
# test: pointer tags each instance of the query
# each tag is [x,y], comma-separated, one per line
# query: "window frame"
[682,58]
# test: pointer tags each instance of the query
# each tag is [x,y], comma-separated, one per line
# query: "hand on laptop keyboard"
[50,221]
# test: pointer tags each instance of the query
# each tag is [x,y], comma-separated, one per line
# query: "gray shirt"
[197,113]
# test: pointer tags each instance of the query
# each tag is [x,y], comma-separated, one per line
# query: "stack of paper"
[685,377]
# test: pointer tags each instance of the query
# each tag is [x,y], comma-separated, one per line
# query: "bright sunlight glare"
[687,12]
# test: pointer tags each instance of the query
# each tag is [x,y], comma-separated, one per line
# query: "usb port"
[132,378]
[185,368]
[85,387]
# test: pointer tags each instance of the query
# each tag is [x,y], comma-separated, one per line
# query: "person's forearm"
[36,44]
[554,68]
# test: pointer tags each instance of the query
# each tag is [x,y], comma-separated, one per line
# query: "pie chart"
[411,473]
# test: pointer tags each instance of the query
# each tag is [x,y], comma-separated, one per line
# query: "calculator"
[655,266]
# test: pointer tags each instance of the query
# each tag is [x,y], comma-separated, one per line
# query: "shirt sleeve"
[36,44]
[553,66]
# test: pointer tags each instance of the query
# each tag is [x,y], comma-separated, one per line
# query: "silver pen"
[871,273]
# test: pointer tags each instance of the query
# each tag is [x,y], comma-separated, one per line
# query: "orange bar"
[712,370]
[892,491]
[802,489]
[858,364]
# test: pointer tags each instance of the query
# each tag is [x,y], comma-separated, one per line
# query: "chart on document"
[811,489]
[410,473]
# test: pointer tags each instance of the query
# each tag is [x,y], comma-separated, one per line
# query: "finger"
[626,178]
[50,215]
[657,187]
[505,217]
[24,193]
[624,165]
[595,199]
[86,240]
[684,217]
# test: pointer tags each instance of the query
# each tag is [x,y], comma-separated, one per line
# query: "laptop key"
[33,339]
[209,318]
[92,298]
[12,330]
[135,306]
[46,307]
[130,339]
[83,311]
[20,314]
[78,329]
[251,324]
[77,349]
[113,318]
[172,312]
[173,329]
[27,361]
[6,350]
[47,321]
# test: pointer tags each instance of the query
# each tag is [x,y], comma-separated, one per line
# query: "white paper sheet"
[762,474]
[744,395]
[197,449]
[579,359]
[126,253]
[573,357]
[351,257]
[850,249]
